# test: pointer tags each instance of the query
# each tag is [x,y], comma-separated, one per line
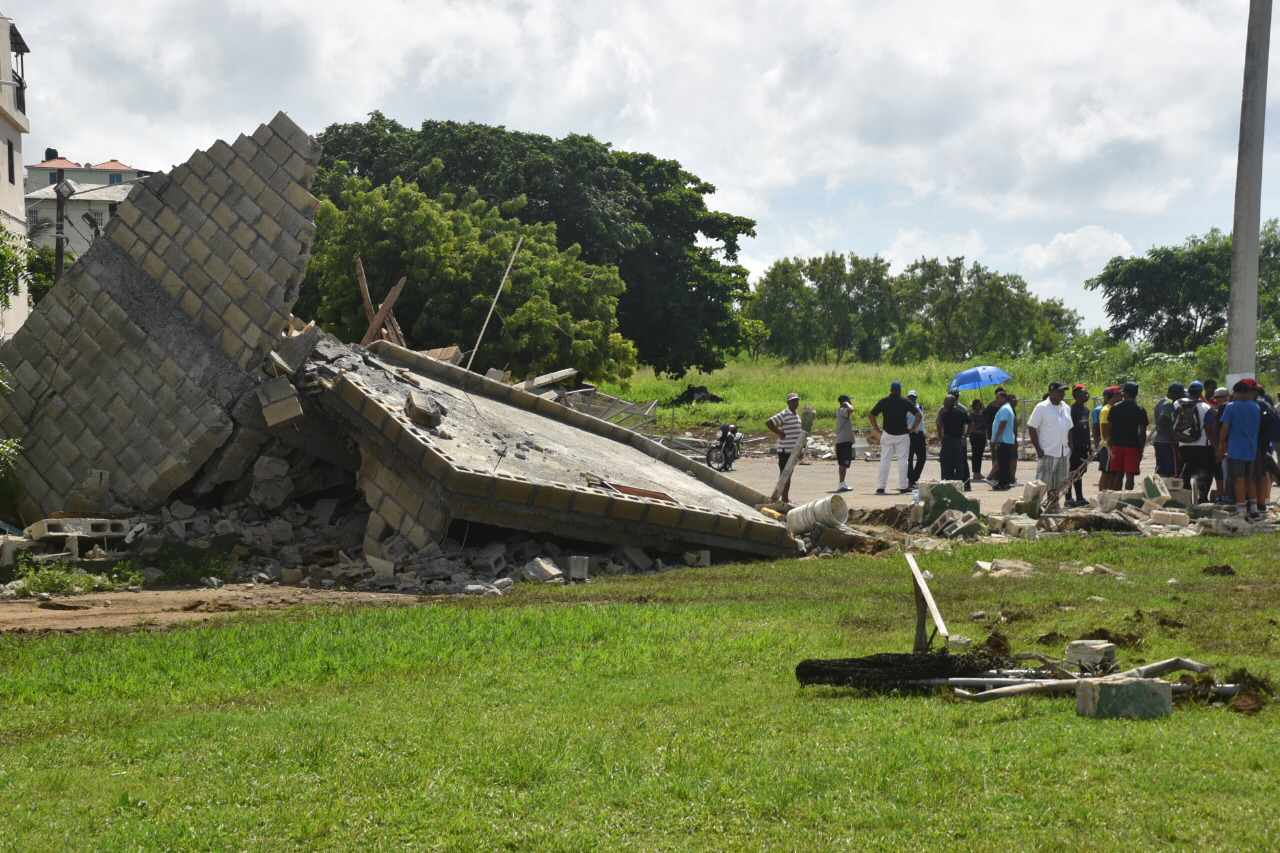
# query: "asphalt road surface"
[817,478]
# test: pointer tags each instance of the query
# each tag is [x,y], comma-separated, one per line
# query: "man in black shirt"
[894,440]
[1081,446]
[953,423]
[1128,423]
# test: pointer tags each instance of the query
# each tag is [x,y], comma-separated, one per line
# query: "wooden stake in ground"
[925,607]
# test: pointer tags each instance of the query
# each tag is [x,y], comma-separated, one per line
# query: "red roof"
[56,163]
[64,163]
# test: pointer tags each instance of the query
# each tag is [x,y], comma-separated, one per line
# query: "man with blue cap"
[901,417]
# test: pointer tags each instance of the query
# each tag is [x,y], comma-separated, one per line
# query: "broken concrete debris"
[163,385]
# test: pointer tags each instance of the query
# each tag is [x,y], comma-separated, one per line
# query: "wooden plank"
[791,466]
[380,317]
[548,378]
[364,291]
[924,603]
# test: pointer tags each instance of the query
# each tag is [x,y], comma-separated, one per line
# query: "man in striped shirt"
[786,426]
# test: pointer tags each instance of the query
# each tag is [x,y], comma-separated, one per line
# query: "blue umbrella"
[974,378]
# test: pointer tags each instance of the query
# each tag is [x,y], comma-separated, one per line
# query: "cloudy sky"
[1035,137]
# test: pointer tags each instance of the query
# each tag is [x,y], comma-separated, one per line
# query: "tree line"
[805,310]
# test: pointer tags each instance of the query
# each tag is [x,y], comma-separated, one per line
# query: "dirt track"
[163,608]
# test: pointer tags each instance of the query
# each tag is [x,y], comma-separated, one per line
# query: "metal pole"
[59,238]
[1242,306]
[494,304]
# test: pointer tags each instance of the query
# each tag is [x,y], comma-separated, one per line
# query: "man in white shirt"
[1049,428]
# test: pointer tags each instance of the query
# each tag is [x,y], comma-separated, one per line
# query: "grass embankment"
[649,712]
[754,391]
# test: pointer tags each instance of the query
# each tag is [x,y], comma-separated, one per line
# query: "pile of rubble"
[312,547]
[163,386]
[1160,507]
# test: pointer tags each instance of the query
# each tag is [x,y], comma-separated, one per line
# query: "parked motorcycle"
[725,449]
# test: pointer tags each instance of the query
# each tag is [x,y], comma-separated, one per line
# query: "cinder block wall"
[133,361]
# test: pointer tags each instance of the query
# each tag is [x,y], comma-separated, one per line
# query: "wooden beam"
[381,316]
[364,291]
[548,378]
[924,605]
[791,466]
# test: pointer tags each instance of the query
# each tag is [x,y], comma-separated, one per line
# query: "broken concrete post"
[1129,698]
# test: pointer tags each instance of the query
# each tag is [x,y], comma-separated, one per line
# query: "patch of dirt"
[148,609]
[996,645]
[1223,569]
[1053,638]
[1170,622]
[1122,639]
[1247,703]
[895,517]
[209,607]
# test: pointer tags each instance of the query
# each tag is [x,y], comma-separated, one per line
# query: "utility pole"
[59,238]
[1242,306]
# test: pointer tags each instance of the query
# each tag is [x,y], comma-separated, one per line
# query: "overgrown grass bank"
[755,390]
[647,712]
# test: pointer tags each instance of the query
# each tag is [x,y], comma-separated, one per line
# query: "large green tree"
[948,310]
[1175,297]
[647,215]
[555,311]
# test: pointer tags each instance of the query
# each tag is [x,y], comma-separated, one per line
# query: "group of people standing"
[1204,434]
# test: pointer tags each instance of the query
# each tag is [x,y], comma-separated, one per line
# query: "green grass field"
[754,391]
[649,712]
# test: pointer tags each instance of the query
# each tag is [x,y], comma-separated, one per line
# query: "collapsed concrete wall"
[167,363]
[134,361]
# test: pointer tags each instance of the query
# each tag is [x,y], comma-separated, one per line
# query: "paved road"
[816,478]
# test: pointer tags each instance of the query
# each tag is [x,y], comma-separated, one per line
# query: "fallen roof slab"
[509,458]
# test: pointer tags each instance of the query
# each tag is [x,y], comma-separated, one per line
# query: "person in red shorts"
[1128,436]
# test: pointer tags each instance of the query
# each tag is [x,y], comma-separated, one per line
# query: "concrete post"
[1242,307]
[59,236]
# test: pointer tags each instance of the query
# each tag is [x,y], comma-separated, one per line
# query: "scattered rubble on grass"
[1159,507]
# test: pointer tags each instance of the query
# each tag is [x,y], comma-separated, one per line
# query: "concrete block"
[422,408]
[1093,655]
[541,570]
[1170,517]
[636,557]
[699,559]
[578,568]
[1128,698]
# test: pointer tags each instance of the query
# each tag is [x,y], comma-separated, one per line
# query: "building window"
[8,144]
[98,217]
[33,216]
[115,178]
[53,178]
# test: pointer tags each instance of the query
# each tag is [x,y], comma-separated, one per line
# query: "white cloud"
[907,128]
[911,244]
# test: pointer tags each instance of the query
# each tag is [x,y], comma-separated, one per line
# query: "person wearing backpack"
[1193,442]
[1163,442]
